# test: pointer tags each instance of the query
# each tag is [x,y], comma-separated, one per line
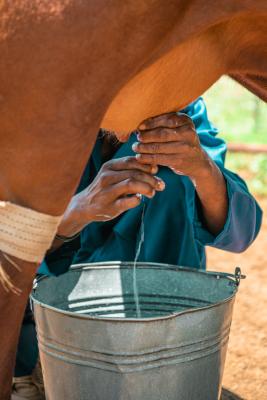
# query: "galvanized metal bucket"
[92,346]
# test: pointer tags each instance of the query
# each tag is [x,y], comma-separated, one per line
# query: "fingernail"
[152,194]
[154,169]
[142,126]
[135,146]
[160,183]
[138,156]
[139,137]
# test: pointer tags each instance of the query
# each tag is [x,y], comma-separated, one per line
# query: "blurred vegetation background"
[241,118]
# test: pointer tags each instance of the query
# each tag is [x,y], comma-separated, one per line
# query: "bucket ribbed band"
[183,352]
[24,233]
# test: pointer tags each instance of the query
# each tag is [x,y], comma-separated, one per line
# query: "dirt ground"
[245,375]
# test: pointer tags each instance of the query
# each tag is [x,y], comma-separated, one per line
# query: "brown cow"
[64,61]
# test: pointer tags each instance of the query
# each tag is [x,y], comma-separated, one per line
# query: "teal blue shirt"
[174,231]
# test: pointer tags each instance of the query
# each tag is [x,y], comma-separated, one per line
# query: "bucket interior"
[107,290]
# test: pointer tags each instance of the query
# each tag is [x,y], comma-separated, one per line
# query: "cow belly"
[169,84]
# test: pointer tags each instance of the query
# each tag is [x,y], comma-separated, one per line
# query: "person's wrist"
[69,225]
[74,220]
[208,180]
[204,171]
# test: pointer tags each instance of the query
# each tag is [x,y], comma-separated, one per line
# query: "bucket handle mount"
[238,276]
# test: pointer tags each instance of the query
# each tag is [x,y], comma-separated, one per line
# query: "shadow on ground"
[227,395]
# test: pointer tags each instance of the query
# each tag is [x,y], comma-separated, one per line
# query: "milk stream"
[137,254]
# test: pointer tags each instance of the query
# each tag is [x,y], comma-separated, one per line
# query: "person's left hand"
[171,140]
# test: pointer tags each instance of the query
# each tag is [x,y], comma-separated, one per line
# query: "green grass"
[240,118]
[252,168]
[238,114]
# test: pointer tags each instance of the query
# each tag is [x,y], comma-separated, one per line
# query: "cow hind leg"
[16,275]
[5,279]
[12,306]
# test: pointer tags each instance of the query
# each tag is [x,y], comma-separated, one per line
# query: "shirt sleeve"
[207,133]
[244,214]
[59,261]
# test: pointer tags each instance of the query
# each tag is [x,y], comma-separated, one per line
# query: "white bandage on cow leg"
[25,234]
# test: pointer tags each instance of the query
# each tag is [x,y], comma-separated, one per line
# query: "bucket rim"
[234,278]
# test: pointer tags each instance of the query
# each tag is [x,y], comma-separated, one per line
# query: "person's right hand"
[117,187]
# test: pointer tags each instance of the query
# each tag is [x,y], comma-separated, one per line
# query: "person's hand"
[171,140]
[119,186]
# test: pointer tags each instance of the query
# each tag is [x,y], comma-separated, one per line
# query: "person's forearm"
[212,193]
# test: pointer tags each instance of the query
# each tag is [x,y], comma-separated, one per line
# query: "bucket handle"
[238,276]
[235,278]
